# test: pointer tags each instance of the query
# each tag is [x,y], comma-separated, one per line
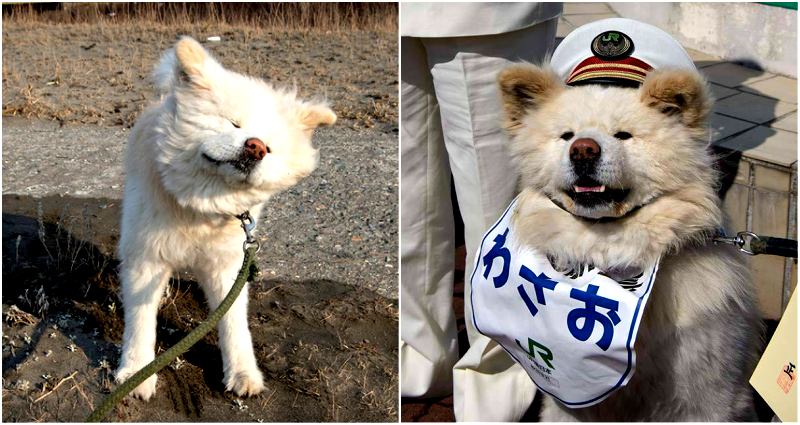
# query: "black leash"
[753,244]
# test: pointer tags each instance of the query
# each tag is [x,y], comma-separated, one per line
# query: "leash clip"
[248,224]
[743,240]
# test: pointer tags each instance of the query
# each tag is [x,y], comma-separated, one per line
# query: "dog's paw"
[145,390]
[245,383]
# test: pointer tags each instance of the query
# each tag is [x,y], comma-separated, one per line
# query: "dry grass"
[14,316]
[334,382]
[77,64]
[307,16]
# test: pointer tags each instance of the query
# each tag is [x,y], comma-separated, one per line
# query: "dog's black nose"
[584,150]
[256,149]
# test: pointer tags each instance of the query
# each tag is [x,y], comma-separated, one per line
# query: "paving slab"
[721,92]
[722,126]
[698,56]
[731,75]
[788,122]
[778,87]
[767,144]
[701,64]
[583,19]
[753,108]
[564,28]
[585,8]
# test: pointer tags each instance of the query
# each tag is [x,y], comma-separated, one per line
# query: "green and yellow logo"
[611,36]
[612,46]
[544,353]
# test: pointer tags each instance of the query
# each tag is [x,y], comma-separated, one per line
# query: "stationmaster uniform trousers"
[451,123]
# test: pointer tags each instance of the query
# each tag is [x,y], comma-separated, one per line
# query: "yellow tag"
[775,377]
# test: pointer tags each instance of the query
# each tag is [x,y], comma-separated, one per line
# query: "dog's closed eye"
[568,135]
[235,124]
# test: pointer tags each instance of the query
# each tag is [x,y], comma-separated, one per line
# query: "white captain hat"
[616,51]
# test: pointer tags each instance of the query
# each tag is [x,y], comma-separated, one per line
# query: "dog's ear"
[525,87]
[187,64]
[678,92]
[314,115]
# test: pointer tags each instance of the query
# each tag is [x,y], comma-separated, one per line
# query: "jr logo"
[543,351]
[611,35]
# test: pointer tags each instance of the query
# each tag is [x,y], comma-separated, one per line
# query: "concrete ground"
[755,114]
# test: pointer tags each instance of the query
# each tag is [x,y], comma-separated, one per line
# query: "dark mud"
[328,349]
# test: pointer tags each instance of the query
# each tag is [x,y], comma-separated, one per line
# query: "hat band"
[608,74]
[594,68]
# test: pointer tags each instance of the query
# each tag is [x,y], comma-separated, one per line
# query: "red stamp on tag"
[787,377]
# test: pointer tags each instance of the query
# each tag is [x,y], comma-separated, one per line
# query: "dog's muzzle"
[253,152]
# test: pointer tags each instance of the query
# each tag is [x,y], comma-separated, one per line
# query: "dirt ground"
[323,312]
[100,74]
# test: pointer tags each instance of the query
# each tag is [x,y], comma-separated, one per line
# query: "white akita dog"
[617,178]
[219,144]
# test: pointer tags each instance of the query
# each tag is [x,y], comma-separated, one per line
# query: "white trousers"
[451,116]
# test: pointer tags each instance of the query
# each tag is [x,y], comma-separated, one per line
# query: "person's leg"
[428,348]
[488,384]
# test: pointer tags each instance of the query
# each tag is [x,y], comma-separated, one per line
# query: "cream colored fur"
[179,206]
[701,321]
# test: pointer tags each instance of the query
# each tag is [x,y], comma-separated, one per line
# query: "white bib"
[573,332]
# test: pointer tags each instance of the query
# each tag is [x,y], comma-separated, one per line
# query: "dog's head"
[603,151]
[228,141]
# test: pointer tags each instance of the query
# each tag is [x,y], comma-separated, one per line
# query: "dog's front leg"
[241,373]
[142,288]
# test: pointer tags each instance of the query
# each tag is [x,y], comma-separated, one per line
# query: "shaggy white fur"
[188,174]
[702,321]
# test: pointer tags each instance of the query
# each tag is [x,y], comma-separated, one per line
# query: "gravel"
[340,223]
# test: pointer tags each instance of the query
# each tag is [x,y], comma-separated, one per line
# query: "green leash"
[248,272]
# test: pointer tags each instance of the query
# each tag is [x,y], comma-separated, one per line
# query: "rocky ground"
[323,312]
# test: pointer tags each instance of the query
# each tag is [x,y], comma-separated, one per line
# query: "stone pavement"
[754,129]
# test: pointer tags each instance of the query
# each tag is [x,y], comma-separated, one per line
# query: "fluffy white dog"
[219,143]
[617,178]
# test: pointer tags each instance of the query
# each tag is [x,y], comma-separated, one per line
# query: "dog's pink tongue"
[590,189]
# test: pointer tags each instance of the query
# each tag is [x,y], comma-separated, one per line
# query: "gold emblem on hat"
[612,45]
